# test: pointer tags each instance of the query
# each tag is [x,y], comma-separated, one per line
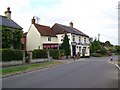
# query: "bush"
[96,54]
[17,55]
[54,53]
[103,51]
[40,53]
[62,53]
[9,55]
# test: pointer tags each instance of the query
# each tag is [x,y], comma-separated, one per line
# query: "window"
[84,40]
[68,35]
[79,39]
[49,38]
[73,38]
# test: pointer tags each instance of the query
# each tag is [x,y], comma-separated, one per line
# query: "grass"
[17,69]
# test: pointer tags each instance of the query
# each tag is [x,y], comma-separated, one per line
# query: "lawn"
[22,68]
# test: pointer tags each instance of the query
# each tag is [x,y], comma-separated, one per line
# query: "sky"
[92,17]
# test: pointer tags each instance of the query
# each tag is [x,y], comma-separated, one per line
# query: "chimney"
[33,20]
[71,24]
[8,13]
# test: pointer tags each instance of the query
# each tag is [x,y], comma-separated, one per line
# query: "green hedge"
[54,53]
[96,54]
[9,55]
[17,55]
[42,53]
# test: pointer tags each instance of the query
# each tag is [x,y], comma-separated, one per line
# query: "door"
[74,50]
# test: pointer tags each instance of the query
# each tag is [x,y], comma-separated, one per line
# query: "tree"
[10,38]
[117,47]
[108,44]
[95,46]
[66,46]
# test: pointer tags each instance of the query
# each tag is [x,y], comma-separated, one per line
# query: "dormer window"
[49,38]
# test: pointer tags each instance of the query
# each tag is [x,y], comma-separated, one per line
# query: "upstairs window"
[84,40]
[79,39]
[73,38]
[49,38]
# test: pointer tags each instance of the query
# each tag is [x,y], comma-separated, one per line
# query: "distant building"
[44,37]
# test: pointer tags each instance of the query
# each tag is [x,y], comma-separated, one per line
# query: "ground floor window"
[50,46]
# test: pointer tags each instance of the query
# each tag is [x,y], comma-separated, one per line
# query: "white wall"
[44,39]
[33,39]
[70,36]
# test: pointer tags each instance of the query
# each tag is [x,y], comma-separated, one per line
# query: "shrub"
[96,54]
[62,53]
[54,53]
[9,55]
[17,54]
[103,51]
[42,53]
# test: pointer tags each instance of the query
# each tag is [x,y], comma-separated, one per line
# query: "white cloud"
[90,16]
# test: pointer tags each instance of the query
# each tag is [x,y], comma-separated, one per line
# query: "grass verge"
[18,69]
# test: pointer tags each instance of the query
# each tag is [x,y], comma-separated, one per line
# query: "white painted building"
[79,42]
[39,37]
[42,37]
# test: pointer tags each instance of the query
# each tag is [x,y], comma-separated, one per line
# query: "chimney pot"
[71,24]
[8,13]
[33,20]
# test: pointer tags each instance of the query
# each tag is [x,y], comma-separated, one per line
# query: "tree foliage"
[65,45]
[11,38]
[98,47]
[117,47]
[95,46]
[6,38]
[17,34]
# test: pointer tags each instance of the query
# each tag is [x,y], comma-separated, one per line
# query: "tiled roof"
[9,23]
[45,30]
[60,29]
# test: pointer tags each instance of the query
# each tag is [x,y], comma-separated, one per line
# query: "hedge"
[39,53]
[96,54]
[9,55]
[17,55]
[42,53]
[54,53]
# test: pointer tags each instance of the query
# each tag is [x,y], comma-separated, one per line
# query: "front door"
[74,50]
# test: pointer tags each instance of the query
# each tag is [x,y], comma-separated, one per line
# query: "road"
[84,73]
